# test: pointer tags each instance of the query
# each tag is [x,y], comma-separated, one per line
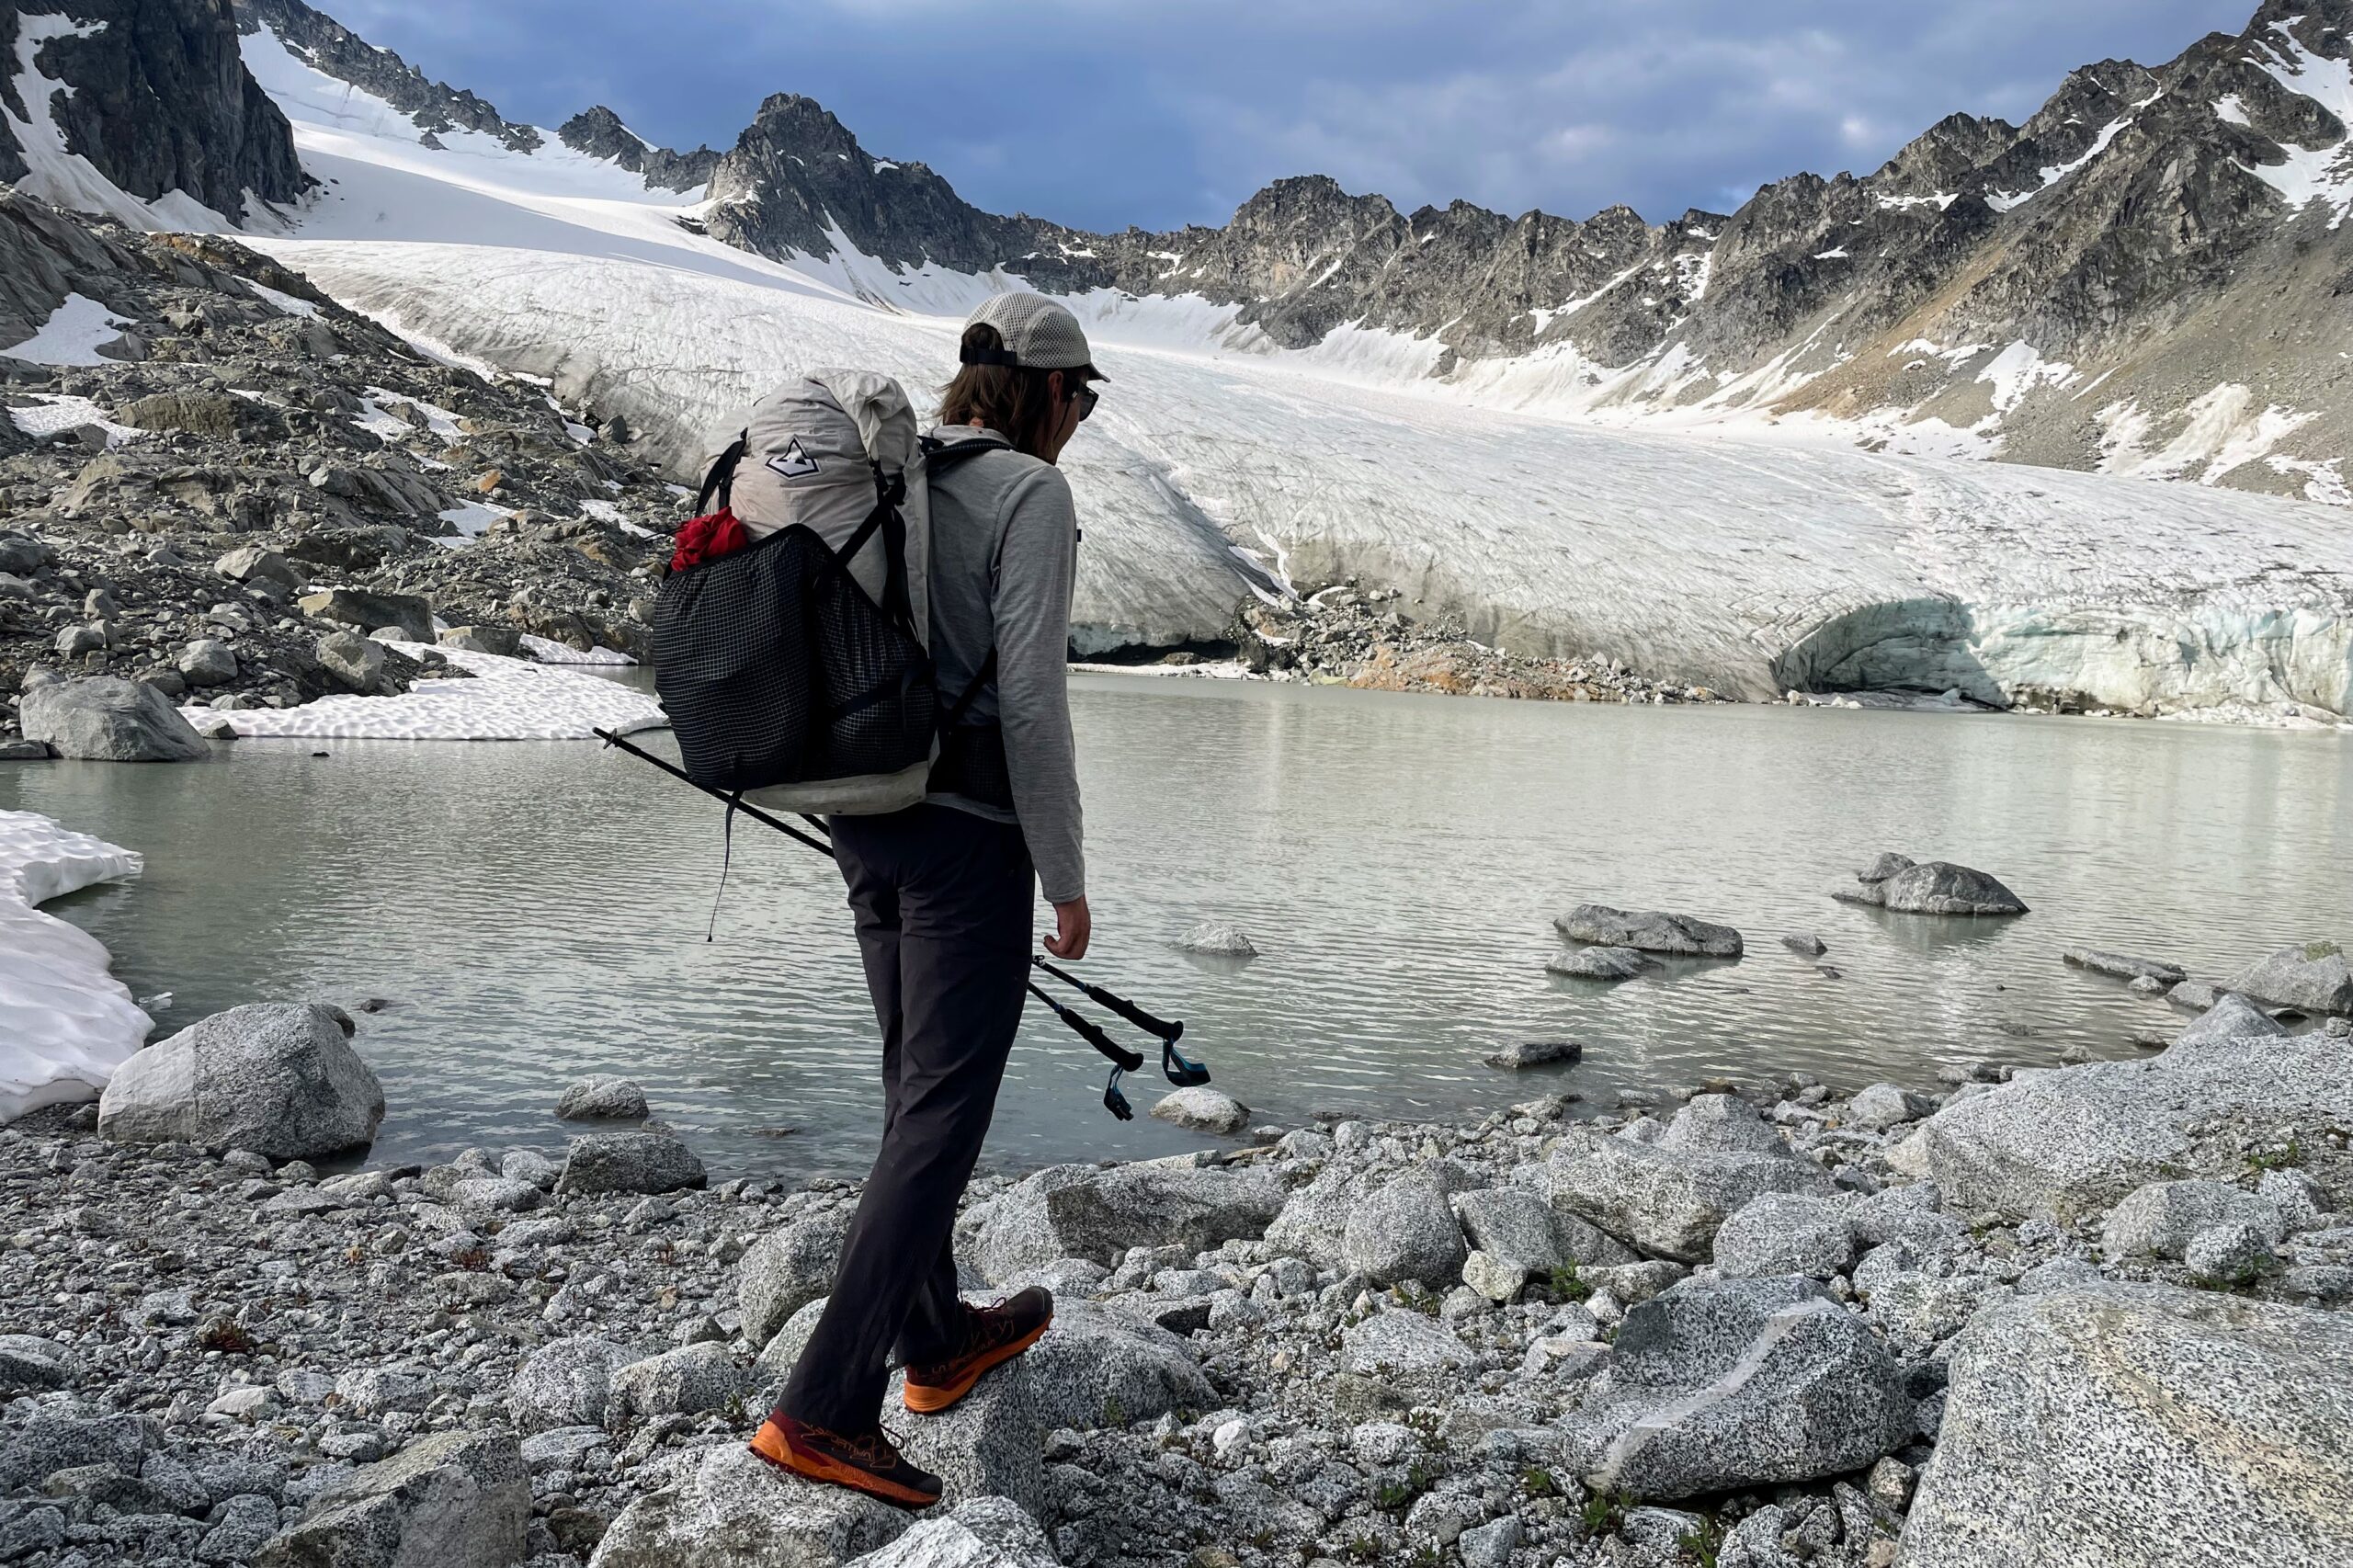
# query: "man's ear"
[1055,387]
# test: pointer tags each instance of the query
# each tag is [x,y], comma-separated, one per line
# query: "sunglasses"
[1086,398]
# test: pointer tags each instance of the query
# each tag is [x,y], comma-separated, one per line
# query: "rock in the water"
[602,1098]
[454,1500]
[1783,1233]
[684,1382]
[1079,1212]
[1805,945]
[2122,966]
[277,1078]
[787,1269]
[1649,930]
[738,1511]
[1599,963]
[364,611]
[1524,1054]
[2072,1142]
[1405,1229]
[1213,940]
[1203,1110]
[986,1532]
[1100,1368]
[2313,976]
[2231,1017]
[566,1383]
[2117,1424]
[105,719]
[2193,996]
[1741,1382]
[2162,1218]
[1934,887]
[355,661]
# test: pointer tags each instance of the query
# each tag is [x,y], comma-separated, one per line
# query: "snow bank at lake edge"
[65,1023]
[508,699]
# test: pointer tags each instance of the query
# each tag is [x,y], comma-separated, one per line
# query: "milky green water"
[535,911]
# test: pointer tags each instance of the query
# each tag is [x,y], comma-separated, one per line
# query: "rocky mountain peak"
[598,132]
[154,95]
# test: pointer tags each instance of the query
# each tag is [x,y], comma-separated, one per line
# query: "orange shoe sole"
[925,1399]
[771,1446]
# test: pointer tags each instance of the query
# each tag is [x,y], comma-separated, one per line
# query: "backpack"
[792,646]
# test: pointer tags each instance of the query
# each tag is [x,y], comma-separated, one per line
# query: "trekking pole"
[680,774]
[1183,1073]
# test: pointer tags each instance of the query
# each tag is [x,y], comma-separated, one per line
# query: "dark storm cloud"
[1111,112]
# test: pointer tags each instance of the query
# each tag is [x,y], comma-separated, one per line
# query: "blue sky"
[1109,112]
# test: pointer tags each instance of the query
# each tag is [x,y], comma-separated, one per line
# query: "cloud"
[1110,112]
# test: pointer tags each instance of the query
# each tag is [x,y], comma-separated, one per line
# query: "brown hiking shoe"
[993,1335]
[870,1462]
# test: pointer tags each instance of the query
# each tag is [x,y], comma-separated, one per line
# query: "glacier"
[1219,467]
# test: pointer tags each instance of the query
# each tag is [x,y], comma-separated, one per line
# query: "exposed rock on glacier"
[2117,1424]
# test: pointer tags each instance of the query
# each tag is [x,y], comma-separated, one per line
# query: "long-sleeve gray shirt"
[1004,556]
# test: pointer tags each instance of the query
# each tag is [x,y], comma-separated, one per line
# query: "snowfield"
[65,1023]
[1217,467]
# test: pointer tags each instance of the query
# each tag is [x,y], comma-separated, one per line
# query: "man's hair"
[1011,399]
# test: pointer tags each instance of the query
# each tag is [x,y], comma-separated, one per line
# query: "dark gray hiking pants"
[945,902]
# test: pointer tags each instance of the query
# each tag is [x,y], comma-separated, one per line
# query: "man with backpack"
[942,891]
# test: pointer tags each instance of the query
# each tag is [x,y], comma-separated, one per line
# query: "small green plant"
[1564,1284]
[1704,1545]
[1394,1494]
[1537,1481]
[1604,1512]
[2285,1159]
[1364,1549]
[1114,1412]
[733,1410]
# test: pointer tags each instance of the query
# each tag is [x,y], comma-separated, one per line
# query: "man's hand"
[1073,926]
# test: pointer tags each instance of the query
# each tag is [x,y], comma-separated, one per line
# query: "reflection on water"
[534,912]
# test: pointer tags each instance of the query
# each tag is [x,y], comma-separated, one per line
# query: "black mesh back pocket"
[732,646]
[879,696]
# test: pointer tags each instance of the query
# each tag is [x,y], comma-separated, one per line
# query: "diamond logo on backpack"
[792,463]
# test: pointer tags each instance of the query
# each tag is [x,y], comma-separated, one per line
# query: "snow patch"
[56,413]
[2220,430]
[508,699]
[73,333]
[65,1023]
[2323,174]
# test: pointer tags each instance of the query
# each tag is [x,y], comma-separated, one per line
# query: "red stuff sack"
[707,538]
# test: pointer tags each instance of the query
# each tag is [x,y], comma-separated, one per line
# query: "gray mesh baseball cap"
[1039,334]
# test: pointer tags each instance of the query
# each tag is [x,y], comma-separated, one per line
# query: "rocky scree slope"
[228,442]
[1759,1331]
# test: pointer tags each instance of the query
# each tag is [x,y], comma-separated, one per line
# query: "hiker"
[943,895]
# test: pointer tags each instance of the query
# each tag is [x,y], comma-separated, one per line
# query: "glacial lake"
[534,912]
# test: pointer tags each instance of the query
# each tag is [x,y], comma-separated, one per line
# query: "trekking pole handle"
[1169,1033]
[1128,1061]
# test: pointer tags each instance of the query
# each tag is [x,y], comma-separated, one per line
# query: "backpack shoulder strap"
[722,477]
